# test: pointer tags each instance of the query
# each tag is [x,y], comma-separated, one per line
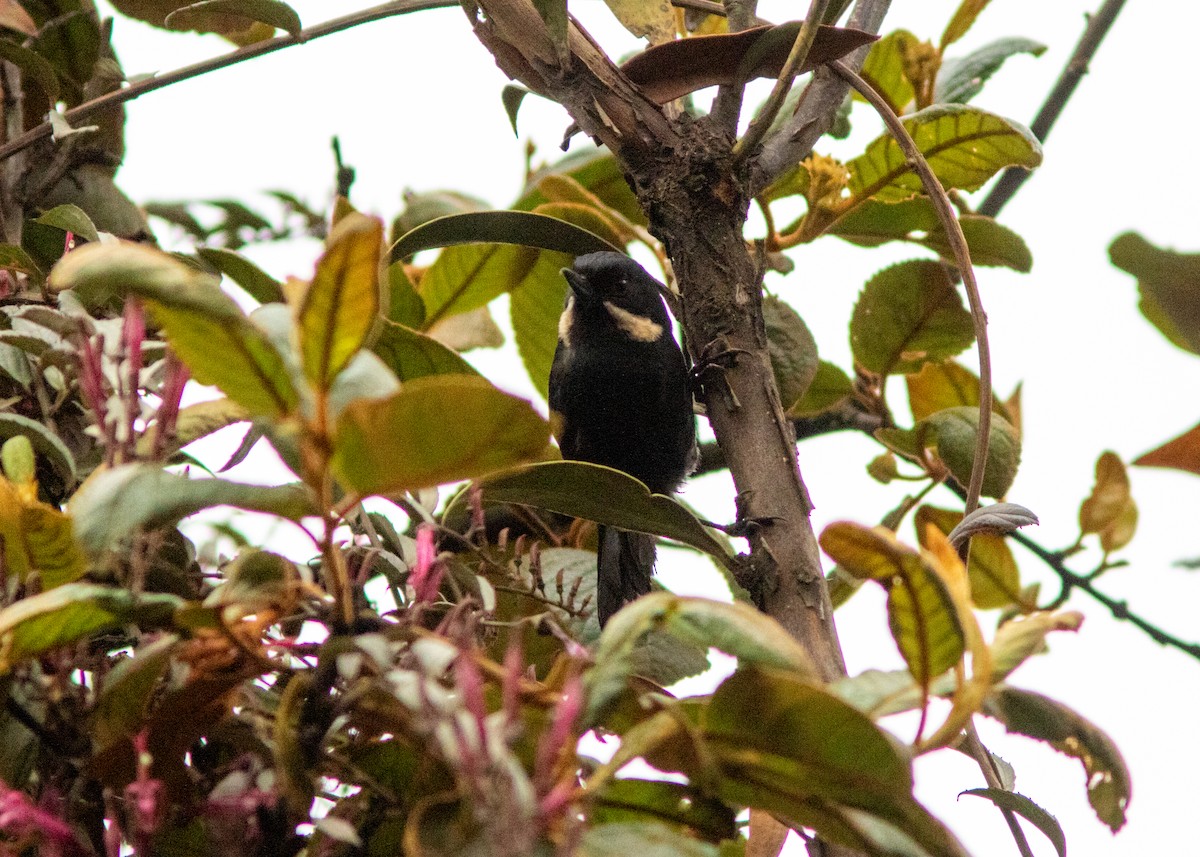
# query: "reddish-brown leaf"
[1182,453]
[672,70]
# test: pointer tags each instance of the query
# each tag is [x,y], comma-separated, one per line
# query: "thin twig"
[962,258]
[1097,28]
[978,752]
[134,90]
[818,105]
[1119,609]
[783,84]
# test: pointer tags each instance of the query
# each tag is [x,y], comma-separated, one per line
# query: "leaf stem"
[962,259]
[774,103]
[978,752]
[134,90]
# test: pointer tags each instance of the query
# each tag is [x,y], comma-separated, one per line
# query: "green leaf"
[829,386]
[35,67]
[961,79]
[404,304]
[874,223]
[992,571]
[771,736]
[953,433]
[123,704]
[554,15]
[792,349]
[643,838]
[254,281]
[526,228]
[884,69]
[924,623]
[907,315]
[70,218]
[342,303]
[964,16]
[14,258]
[204,326]
[534,309]
[512,96]
[1168,287]
[1028,810]
[964,146]
[112,504]
[435,430]
[633,800]
[411,354]
[72,613]
[44,442]
[736,629]
[1037,716]
[596,493]
[232,354]
[597,171]
[233,16]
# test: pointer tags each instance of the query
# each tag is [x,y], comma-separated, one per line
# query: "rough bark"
[696,197]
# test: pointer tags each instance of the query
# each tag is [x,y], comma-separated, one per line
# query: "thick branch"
[818,105]
[1098,26]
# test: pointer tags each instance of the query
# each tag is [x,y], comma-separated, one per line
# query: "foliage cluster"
[422,685]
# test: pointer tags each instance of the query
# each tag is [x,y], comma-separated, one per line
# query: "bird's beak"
[579,285]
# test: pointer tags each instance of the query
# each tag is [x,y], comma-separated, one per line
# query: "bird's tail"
[624,566]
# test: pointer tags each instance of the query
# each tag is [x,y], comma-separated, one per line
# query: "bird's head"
[618,286]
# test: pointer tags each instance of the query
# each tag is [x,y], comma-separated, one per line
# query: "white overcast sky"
[415,101]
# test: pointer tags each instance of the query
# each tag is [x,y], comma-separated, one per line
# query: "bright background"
[415,101]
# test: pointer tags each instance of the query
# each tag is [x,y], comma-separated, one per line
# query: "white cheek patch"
[566,320]
[636,327]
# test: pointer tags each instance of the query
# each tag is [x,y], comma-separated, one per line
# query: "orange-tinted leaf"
[1182,453]
[995,579]
[1109,510]
[671,70]
[16,18]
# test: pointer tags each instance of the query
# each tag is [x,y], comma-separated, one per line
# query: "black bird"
[620,396]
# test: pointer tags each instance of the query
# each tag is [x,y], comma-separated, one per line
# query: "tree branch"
[1098,26]
[783,84]
[818,105]
[1119,609]
[335,25]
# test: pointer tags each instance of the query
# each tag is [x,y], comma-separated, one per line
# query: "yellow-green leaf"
[342,302]
[232,354]
[992,570]
[884,69]
[965,146]
[964,16]
[436,429]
